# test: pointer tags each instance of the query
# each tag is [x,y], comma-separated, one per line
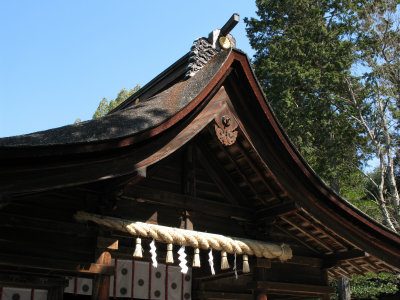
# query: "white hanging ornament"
[153,253]
[182,259]
[234,267]
[211,262]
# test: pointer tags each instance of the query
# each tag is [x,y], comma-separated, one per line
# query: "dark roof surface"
[132,118]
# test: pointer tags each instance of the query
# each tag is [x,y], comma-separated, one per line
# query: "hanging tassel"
[153,253]
[246,267]
[138,249]
[170,256]
[196,258]
[182,259]
[224,261]
[211,262]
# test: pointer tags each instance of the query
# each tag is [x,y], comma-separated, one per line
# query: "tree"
[374,101]
[106,106]
[303,56]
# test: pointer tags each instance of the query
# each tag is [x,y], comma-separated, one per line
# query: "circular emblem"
[124,271]
[157,294]
[123,291]
[85,288]
[174,286]
[158,274]
[187,278]
[187,296]
[16,297]
[224,42]
[141,282]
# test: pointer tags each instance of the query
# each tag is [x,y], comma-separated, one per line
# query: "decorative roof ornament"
[225,128]
[204,49]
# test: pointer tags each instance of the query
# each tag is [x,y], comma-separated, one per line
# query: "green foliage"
[303,56]
[106,106]
[371,286]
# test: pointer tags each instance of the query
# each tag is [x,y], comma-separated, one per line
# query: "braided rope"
[195,239]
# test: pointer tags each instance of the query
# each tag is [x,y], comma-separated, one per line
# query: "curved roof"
[139,135]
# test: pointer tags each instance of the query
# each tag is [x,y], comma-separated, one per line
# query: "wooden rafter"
[244,177]
[310,236]
[255,168]
[324,231]
[221,178]
[301,241]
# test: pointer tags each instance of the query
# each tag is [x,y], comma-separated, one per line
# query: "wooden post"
[56,293]
[260,295]
[344,288]
[101,283]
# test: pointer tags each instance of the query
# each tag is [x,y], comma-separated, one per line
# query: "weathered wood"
[30,281]
[219,175]
[301,241]
[309,235]
[281,209]
[314,262]
[55,293]
[286,288]
[187,202]
[262,263]
[46,263]
[221,295]
[189,174]
[260,295]
[101,283]
[344,288]
[230,24]
[108,243]
[333,259]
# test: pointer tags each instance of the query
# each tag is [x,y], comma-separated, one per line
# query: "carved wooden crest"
[225,128]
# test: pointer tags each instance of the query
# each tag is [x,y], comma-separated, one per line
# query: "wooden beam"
[278,210]
[189,174]
[286,288]
[244,177]
[45,263]
[221,178]
[332,259]
[107,243]
[314,262]
[302,242]
[101,283]
[254,166]
[143,194]
[309,235]
[332,235]
[30,281]
[56,293]
[221,295]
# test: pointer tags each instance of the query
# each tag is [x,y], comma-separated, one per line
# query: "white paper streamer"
[211,261]
[182,259]
[153,254]
[234,267]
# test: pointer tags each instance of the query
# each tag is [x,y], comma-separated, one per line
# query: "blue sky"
[58,59]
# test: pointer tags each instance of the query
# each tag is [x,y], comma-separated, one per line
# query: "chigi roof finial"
[204,49]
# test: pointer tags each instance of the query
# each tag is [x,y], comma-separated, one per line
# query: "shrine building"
[190,189]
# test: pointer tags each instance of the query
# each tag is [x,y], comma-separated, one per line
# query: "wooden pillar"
[344,288]
[101,283]
[260,295]
[55,293]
